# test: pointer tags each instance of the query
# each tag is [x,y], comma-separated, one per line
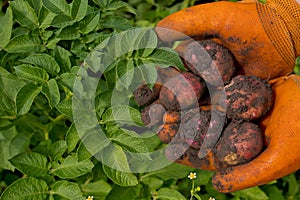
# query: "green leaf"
[125,72]
[24,14]
[61,21]
[43,60]
[122,114]
[98,189]
[152,182]
[130,140]
[172,171]
[293,184]
[254,193]
[36,4]
[71,168]
[89,23]
[51,91]
[6,22]
[128,193]
[116,22]
[115,157]
[57,149]
[31,164]
[164,57]
[120,178]
[170,194]
[273,192]
[65,190]
[72,138]
[79,9]
[69,33]
[92,143]
[5,146]
[45,18]
[31,73]
[116,5]
[25,98]
[62,56]
[19,144]
[25,44]
[60,7]
[25,189]
[65,107]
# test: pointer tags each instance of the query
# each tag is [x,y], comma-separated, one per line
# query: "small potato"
[153,114]
[240,143]
[182,91]
[248,97]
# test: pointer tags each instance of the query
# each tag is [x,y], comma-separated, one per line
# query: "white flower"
[90,198]
[211,198]
[192,176]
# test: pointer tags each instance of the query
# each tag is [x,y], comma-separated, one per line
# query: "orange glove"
[264,38]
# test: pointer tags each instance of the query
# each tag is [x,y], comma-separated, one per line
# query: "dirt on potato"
[240,143]
[248,97]
[209,60]
[182,91]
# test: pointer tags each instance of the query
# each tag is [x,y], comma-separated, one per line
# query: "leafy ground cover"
[56,98]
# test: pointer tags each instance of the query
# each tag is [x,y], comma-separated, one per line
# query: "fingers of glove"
[282,133]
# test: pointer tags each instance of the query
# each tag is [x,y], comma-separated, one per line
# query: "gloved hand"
[265,40]
[281,128]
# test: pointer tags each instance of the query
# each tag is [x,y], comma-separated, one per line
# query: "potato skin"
[152,115]
[240,143]
[182,91]
[248,97]
[209,60]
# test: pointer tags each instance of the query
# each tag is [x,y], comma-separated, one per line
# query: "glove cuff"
[281,21]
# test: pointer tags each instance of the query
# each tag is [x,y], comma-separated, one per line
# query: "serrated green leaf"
[24,14]
[31,164]
[5,146]
[25,98]
[68,33]
[25,44]
[62,56]
[36,4]
[122,114]
[79,9]
[117,23]
[116,159]
[125,73]
[130,140]
[128,193]
[31,73]
[254,193]
[65,190]
[19,144]
[60,7]
[92,143]
[71,168]
[45,18]
[72,138]
[98,189]
[43,60]
[57,149]
[6,22]
[164,57]
[116,5]
[25,189]
[89,23]
[51,91]
[65,107]
[67,79]
[169,194]
[61,21]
